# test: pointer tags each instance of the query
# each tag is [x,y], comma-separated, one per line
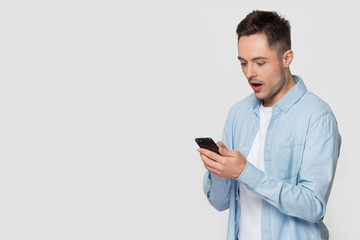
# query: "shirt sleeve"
[217,189]
[308,197]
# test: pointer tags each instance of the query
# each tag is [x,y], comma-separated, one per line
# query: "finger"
[209,163]
[214,171]
[210,154]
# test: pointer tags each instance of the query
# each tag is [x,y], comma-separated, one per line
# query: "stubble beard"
[277,88]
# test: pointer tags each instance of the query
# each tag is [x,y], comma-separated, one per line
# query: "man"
[280,145]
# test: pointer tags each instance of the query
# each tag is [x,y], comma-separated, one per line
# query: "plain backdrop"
[100,102]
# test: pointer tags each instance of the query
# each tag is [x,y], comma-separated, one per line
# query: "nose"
[249,71]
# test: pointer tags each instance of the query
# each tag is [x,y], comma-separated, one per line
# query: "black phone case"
[207,143]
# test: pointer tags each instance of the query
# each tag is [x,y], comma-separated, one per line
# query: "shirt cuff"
[251,176]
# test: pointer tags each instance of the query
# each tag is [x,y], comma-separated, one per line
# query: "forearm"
[217,191]
[294,200]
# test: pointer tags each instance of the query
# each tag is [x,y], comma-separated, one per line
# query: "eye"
[243,64]
[260,63]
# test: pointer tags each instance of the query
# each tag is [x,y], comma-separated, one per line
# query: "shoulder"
[314,109]
[314,104]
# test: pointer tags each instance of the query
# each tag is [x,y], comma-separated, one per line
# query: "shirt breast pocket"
[288,157]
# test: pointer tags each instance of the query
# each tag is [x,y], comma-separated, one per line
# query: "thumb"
[220,144]
[222,148]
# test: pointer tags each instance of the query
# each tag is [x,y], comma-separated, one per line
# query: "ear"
[287,58]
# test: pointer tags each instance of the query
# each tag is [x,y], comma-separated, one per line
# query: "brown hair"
[276,28]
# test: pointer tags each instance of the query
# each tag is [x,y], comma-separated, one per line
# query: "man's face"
[263,68]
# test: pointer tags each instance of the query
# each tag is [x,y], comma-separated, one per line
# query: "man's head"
[264,50]
[276,29]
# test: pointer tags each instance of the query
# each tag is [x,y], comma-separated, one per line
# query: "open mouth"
[256,86]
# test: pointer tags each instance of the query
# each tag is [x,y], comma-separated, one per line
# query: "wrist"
[242,168]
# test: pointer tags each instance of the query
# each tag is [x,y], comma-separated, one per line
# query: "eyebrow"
[254,59]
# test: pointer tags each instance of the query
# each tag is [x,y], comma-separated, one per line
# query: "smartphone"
[207,143]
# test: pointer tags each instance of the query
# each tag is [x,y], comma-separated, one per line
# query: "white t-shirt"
[250,203]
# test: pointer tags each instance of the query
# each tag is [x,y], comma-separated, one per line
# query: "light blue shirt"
[301,150]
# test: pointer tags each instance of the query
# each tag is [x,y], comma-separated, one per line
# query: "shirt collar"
[290,98]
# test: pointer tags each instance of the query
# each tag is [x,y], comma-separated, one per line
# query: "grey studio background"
[100,102]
